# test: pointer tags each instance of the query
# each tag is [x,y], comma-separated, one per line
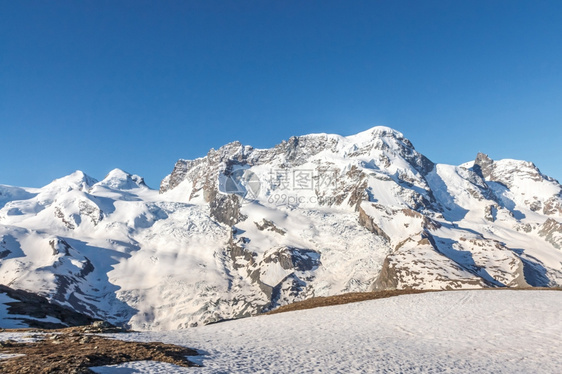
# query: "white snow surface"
[444,332]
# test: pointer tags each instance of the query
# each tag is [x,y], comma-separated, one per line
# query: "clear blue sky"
[94,85]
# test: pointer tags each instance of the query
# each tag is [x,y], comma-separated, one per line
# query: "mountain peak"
[121,180]
[76,180]
[379,132]
[366,136]
[507,171]
[483,165]
[381,135]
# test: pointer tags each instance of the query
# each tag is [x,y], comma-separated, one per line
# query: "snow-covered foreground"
[499,331]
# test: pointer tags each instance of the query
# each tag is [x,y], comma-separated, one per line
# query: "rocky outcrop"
[551,230]
[490,212]
[507,171]
[225,209]
[89,210]
[60,246]
[483,165]
[419,263]
[427,223]
[388,278]
[293,259]
[553,206]
[367,222]
[269,226]
[284,270]
[239,256]
[203,172]
[69,222]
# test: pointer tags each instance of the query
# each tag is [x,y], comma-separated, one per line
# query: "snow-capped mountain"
[244,230]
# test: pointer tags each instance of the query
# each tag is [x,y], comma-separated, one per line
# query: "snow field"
[444,332]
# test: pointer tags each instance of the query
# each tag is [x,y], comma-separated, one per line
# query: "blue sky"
[94,85]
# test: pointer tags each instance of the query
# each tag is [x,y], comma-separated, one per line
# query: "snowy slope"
[244,230]
[453,332]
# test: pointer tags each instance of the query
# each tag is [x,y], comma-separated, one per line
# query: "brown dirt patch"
[75,352]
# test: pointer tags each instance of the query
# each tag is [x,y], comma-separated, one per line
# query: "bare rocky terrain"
[75,350]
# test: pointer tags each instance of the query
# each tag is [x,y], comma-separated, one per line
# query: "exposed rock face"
[551,230]
[367,222]
[483,165]
[93,212]
[239,256]
[68,221]
[270,226]
[523,179]
[491,212]
[294,259]
[490,170]
[203,172]
[225,209]
[388,278]
[553,206]
[283,273]
[59,247]
[297,151]
[418,264]
[179,174]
